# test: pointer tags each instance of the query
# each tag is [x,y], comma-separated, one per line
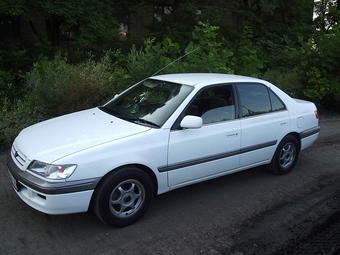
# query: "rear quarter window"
[277,104]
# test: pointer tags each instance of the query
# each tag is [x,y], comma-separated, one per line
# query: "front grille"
[18,156]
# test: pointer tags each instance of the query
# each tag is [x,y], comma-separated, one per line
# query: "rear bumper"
[310,132]
[51,197]
[309,137]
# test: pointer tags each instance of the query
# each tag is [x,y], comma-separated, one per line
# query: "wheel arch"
[274,165]
[149,172]
[297,136]
[294,134]
[144,168]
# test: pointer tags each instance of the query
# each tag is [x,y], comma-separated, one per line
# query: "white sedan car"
[160,134]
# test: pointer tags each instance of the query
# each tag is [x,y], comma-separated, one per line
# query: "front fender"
[147,149]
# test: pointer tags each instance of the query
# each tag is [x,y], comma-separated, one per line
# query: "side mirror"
[191,121]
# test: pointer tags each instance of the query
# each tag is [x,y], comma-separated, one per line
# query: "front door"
[213,149]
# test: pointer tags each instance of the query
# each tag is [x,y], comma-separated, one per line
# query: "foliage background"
[77,61]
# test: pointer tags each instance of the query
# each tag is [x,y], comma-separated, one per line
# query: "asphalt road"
[252,212]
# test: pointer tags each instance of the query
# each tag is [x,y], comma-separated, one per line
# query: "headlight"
[55,172]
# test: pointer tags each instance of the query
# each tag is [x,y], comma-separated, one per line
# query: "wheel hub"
[287,155]
[126,198]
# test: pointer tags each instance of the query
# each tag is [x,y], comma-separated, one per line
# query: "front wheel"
[285,156]
[123,197]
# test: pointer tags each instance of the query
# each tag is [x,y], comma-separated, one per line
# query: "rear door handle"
[283,123]
[232,134]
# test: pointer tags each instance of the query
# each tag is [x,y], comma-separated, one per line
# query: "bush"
[14,117]
[55,87]
[289,81]
[7,85]
[152,57]
[206,53]
[318,87]
[59,87]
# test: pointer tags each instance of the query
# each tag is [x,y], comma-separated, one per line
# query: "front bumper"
[51,197]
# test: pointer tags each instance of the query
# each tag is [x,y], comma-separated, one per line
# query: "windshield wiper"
[143,121]
[135,120]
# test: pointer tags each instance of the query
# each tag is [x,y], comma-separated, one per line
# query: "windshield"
[151,102]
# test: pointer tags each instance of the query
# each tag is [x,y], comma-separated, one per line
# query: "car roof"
[202,79]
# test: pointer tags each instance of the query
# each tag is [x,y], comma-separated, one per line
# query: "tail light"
[317,114]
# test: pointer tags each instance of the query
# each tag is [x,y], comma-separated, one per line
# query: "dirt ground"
[252,212]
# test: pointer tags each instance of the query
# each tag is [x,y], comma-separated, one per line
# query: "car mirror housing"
[191,121]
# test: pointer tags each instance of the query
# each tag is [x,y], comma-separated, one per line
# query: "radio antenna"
[172,62]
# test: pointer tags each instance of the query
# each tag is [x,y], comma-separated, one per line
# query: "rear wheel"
[285,156]
[123,197]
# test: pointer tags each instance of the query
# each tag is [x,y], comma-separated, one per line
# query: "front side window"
[151,102]
[214,104]
[254,99]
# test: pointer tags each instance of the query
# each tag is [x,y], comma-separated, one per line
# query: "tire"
[123,196]
[283,164]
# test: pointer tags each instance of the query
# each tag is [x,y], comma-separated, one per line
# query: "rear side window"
[254,99]
[277,104]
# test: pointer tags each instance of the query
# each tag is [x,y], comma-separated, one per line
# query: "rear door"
[264,121]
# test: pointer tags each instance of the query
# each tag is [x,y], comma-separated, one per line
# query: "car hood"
[58,137]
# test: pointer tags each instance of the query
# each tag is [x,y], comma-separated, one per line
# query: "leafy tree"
[248,58]
[54,24]
[211,54]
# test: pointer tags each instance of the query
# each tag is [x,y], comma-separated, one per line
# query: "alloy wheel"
[127,198]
